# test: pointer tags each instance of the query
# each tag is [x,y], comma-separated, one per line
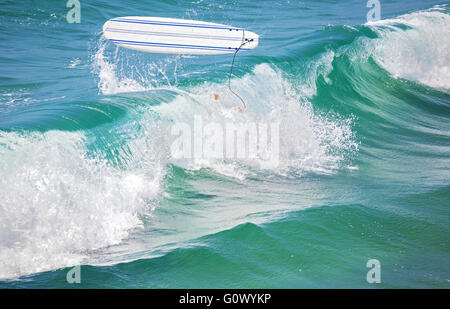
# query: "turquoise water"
[88,177]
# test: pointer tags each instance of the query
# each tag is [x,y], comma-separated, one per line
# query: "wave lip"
[415,46]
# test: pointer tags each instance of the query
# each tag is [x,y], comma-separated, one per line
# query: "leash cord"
[232,65]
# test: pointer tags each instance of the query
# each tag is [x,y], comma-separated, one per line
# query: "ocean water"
[87,175]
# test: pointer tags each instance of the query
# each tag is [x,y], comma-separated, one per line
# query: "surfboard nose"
[105,26]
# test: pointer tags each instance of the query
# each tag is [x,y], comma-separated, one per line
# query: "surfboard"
[177,36]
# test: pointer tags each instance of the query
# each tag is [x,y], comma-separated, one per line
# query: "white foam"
[421,52]
[57,204]
[309,142]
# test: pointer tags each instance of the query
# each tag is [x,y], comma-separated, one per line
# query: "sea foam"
[415,46]
[58,204]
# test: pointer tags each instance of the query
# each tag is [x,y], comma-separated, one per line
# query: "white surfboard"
[177,36]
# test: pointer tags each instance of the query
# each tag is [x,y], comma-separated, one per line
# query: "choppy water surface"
[87,175]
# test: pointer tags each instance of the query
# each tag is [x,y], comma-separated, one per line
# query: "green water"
[88,177]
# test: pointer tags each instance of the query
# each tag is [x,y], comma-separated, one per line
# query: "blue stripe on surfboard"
[175,45]
[137,21]
[168,23]
[181,35]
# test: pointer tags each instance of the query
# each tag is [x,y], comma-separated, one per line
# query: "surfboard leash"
[244,41]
